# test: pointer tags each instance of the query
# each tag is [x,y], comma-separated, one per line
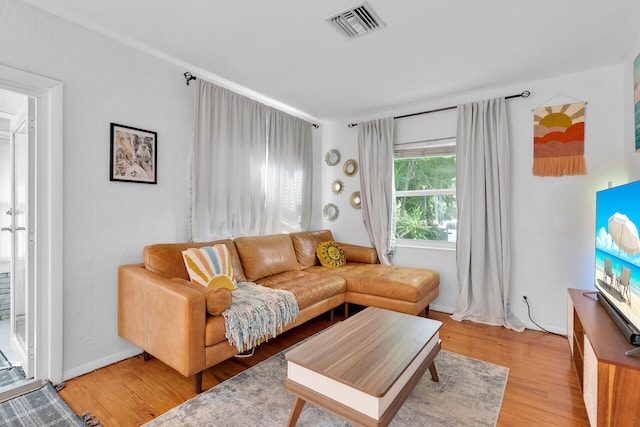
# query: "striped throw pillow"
[210,266]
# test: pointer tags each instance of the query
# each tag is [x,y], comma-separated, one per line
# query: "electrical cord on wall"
[526,300]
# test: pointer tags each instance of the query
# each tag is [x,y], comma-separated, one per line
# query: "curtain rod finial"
[189,77]
[525,94]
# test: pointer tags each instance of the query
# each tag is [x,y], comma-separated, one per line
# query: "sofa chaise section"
[404,289]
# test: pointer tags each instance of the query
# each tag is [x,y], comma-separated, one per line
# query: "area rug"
[42,407]
[9,374]
[469,393]
[4,362]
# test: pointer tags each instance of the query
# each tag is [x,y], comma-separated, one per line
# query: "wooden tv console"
[610,380]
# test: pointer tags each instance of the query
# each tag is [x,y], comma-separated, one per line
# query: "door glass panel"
[5,218]
[21,187]
[17,242]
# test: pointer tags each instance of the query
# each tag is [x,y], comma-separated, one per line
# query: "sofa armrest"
[356,253]
[217,299]
[164,318]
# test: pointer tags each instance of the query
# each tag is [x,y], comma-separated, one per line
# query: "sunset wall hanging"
[558,140]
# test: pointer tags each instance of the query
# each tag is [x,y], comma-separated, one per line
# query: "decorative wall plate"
[356,200]
[330,211]
[332,157]
[350,167]
[337,186]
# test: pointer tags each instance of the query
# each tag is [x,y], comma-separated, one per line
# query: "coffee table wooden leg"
[295,412]
[434,373]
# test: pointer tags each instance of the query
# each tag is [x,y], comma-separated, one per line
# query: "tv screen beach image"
[617,248]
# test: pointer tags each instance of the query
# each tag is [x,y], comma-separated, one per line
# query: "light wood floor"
[542,389]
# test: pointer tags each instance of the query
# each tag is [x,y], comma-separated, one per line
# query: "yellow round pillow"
[330,254]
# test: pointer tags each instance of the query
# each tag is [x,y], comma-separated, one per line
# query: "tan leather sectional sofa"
[170,318]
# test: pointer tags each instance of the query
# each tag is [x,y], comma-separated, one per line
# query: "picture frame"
[134,154]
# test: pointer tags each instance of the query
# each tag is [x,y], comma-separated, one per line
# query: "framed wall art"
[134,154]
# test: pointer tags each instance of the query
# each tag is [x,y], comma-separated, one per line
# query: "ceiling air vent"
[356,21]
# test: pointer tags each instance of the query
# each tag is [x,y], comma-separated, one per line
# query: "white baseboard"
[556,330]
[441,308]
[100,363]
[527,323]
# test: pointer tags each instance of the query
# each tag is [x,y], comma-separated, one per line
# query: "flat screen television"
[617,258]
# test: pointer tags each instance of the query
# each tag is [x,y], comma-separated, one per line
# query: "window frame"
[437,147]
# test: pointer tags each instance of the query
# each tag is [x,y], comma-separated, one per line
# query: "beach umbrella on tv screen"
[624,232]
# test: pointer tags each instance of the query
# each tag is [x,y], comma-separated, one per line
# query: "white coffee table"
[363,369]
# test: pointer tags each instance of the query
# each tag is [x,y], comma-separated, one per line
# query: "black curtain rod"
[524,94]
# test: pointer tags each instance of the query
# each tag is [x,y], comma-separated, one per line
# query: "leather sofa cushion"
[355,253]
[309,288]
[402,283]
[214,330]
[166,258]
[264,256]
[305,244]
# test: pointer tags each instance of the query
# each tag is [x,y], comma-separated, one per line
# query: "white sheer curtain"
[243,153]
[483,248]
[289,160]
[375,153]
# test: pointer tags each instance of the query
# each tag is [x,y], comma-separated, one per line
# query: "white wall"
[107,224]
[552,217]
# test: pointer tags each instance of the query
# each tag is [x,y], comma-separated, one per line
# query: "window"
[425,184]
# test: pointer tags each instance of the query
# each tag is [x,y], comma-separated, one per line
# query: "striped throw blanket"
[256,313]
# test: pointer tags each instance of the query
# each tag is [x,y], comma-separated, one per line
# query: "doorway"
[17,195]
[45,268]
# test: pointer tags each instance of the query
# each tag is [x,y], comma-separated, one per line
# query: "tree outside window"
[425,184]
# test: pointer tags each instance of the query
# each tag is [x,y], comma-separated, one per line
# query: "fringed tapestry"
[558,140]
